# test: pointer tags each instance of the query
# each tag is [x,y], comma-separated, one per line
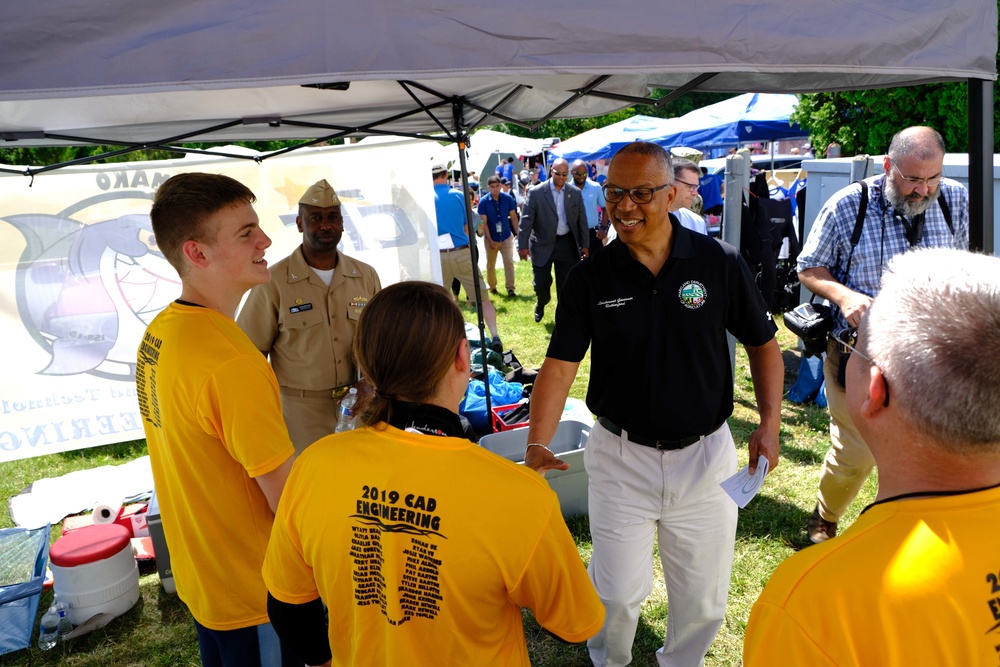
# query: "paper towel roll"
[107,511]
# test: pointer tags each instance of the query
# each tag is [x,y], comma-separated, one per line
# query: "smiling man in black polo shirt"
[656,305]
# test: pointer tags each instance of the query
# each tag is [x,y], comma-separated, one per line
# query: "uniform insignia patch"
[692,294]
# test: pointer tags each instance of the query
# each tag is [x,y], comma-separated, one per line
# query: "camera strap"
[858,224]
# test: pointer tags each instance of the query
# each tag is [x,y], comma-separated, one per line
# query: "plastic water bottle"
[345,422]
[48,631]
[65,625]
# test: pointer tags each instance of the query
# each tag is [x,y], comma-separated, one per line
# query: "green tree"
[864,121]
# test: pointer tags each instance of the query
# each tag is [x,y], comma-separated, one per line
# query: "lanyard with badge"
[496,205]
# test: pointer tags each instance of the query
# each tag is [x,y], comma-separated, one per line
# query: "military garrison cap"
[320,194]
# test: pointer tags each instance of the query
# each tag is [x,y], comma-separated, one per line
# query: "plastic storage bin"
[155,524]
[568,444]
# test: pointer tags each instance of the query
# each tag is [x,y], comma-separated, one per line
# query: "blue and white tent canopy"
[742,119]
[604,142]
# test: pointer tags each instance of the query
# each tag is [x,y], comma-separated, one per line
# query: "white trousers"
[637,493]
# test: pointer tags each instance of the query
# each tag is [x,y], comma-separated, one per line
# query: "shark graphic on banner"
[81,275]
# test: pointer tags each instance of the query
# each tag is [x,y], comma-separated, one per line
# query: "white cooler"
[94,571]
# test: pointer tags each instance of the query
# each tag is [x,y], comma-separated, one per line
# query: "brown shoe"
[819,529]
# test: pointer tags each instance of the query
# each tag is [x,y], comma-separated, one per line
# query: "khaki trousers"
[507,252]
[308,419]
[849,461]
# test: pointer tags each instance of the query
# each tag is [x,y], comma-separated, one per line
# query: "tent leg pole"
[474,255]
[981,222]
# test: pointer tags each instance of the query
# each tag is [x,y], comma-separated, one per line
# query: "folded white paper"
[743,486]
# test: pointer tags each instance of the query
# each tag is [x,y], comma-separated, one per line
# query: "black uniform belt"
[649,442]
[336,392]
[461,247]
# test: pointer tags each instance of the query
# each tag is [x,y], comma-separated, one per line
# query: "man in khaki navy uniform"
[304,318]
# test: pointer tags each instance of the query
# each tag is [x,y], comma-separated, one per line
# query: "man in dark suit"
[553,230]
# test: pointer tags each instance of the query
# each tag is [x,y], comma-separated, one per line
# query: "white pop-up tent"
[135,75]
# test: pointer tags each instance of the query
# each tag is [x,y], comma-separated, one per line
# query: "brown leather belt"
[461,247]
[662,445]
[336,393]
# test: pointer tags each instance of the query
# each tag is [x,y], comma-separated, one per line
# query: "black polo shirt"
[659,366]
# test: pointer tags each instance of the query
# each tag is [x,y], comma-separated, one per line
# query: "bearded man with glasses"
[654,308]
[909,206]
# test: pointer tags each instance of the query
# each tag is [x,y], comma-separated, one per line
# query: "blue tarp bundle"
[810,385]
[473,407]
[24,554]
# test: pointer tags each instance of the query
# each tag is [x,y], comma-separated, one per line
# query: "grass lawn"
[158,631]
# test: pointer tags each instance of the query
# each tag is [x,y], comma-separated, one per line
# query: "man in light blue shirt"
[593,204]
[686,183]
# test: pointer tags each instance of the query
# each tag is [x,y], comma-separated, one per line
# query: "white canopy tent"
[225,70]
[486,144]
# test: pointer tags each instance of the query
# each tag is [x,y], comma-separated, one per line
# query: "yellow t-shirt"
[911,582]
[425,548]
[213,422]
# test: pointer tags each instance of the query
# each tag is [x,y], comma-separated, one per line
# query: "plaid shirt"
[882,235]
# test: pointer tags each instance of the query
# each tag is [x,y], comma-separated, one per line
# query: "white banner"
[80,275]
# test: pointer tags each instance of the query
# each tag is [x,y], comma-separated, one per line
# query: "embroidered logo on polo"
[615,303]
[692,294]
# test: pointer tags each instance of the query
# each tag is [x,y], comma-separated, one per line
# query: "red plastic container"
[497,417]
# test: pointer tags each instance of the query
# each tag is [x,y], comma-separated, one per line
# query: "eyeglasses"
[914,181]
[560,173]
[580,173]
[638,195]
[854,350]
[693,186]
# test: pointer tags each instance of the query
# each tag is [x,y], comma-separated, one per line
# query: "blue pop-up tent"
[604,142]
[741,119]
[745,118]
